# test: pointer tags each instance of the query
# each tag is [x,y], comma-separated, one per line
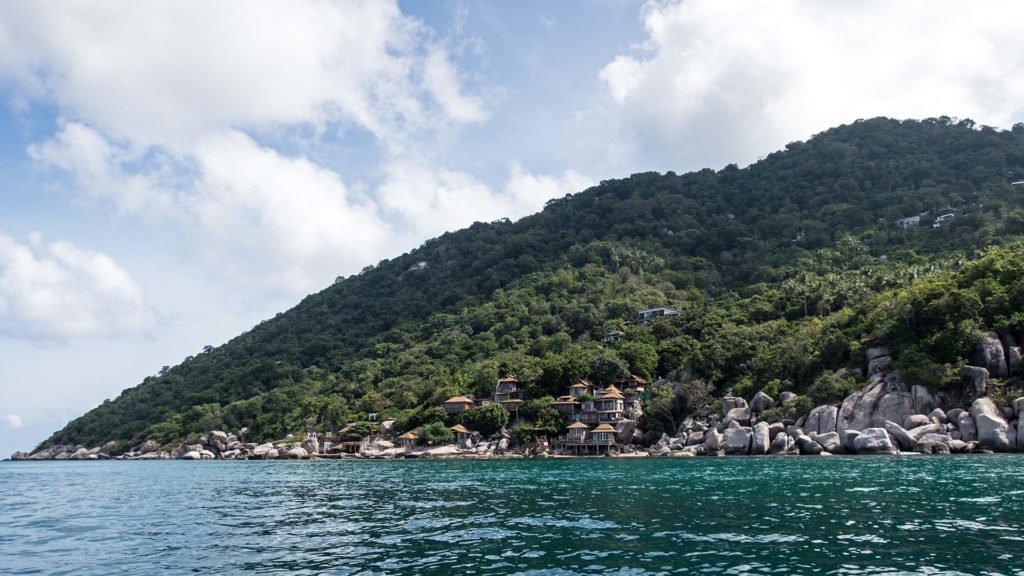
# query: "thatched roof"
[578,425]
[459,400]
[603,428]
[459,428]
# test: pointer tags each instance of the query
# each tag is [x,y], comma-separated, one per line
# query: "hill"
[783,272]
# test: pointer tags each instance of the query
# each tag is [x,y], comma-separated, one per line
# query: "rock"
[787,397]
[19,455]
[1020,432]
[624,430]
[732,424]
[147,447]
[847,437]
[993,430]
[807,445]
[218,435]
[448,450]
[191,455]
[1018,407]
[974,380]
[873,441]
[821,420]
[920,431]
[262,449]
[903,439]
[921,400]
[732,402]
[297,453]
[740,415]
[380,446]
[989,354]
[830,442]
[109,447]
[695,438]
[712,441]
[760,441]
[207,455]
[937,416]
[916,420]
[310,447]
[1013,360]
[737,441]
[761,402]
[877,352]
[387,427]
[968,428]
[229,455]
[774,428]
[781,444]
[879,365]
[954,416]
[271,454]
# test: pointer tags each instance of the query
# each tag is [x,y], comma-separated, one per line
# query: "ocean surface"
[795,515]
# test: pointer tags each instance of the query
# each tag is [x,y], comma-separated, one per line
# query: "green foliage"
[436,434]
[523,434]
[358,431]
[543,414]
[782,271]
[487,420]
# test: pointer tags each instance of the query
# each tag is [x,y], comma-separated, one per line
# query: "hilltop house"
[908,222]
[509,393]
[942,218]
[646,316]
[568,406]
[633,383]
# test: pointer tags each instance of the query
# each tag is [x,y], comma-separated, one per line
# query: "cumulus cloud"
[718,82]
[432,200]
[12,421]
[62,291]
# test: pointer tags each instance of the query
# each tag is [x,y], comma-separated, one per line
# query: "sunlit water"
[902,515]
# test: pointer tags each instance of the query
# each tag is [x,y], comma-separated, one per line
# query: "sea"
[742,515]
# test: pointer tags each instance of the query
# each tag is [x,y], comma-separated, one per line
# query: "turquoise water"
[906,515]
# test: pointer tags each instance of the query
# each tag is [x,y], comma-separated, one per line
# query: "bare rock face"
[830,442]
[19,455]
[147,447]
[624,430]
[884,399]
[938,416]
[873,441]
[782,444]
[191,455]
[916,421]
[877,352]
[993,430]
[740,415]
[786,398]
[968,428]
[903,438]
[712,440]
[1020,433]
[297,453]
[879,365]
[989,354]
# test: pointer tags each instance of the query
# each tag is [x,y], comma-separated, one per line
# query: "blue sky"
[174,172]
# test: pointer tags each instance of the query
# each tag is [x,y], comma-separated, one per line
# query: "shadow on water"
[887,515]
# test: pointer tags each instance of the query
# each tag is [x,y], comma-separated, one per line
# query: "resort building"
[408,440]
[462,436]
[458,404]
[568,406]
[633,383]
[609,406]
[509,393]
[645,316]
[581,388]
[612,337]
[580,438]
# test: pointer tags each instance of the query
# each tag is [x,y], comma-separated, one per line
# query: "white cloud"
[433,200]
[64,291]
[718,82]
[12,421]
[441,80]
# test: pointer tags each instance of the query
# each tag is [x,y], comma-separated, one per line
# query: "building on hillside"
[408,440]
[646,316]
[1017,183]
[462,436]
[458,404]
[909,222]
[612,337]
[508,388]
[942,218]
[581,388]
[603,435]
[608,406]
[568,406]
[633,383]
[577,432]
[579,438]
[481,402]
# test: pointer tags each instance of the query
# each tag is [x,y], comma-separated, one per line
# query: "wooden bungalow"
[457,404]
[408,440]
[609,406]
[508,388]
[462,435]
[603,435]
[568,406]
[633,383]
[582,388]
[577,432]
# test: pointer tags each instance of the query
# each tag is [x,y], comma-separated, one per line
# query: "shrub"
[436,434]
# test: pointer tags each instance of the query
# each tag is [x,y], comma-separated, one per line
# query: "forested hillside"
[783,271]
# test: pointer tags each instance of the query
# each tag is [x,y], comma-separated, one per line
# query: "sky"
[173,172]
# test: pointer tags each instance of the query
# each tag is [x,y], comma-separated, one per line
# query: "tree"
[642,358]
[487,420]
[436,434]
[543,414]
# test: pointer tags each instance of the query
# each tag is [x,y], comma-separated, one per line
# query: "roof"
[566,400]
[407,436]
[578,425]
[580,385]
[603,428]
[508,378]
[511,401]
[458,399]
[634,378]
[461,429]
[614,333]
[665,308]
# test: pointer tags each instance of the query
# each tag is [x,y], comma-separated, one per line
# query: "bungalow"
[408,440]
[577,432]
[581,388]
[633,383]
[508,388]
[608,407]
[942,218]
[908,222]
[612,336]
[457,404]
[645,316]
[603,435]
[462,436]
[568,406]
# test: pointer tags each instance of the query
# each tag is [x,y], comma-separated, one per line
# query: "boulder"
[968,428]
[847,437]
[937,416]
[879,365]
[695,438]
[883,399]
[774,428]
[760,442]
[921,400]
[1013,360]
[974,380]
[271,454]
[873,441]
[786,397]
[993,430]
[740,415]
[916,420]
[821,420]
[737,441]
[218,435]
[781,444]
[261,450]
[732,402]
[109,447]
[297,453]
[807,445]
[920,431]
[380,446]
[830,442]
[761,402]
[1020,432]
[954,416]
[903,439]
[191,455]
[712,441]
[989,354]
[207,455]
[310,446]
[877,352]
[624,430]
[147,447]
